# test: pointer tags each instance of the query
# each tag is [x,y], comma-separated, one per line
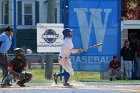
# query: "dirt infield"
[117,88]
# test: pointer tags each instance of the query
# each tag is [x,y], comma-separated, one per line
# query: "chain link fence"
[28,14]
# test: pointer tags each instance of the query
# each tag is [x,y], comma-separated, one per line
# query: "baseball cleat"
[5,86]
[68,85]
[20,84]
[55,78]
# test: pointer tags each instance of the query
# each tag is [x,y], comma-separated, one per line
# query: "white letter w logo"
[96,21]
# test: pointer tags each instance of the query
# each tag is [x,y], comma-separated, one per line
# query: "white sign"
[49,37]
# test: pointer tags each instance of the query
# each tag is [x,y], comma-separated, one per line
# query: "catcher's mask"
[19,52]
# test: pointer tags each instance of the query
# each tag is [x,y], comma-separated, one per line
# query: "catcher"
[17,69]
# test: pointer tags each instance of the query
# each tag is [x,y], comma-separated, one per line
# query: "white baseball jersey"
[64,56]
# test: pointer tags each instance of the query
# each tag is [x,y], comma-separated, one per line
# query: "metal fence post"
[49,67]
[42,62]
[14,1]
[64,6]
[60,22]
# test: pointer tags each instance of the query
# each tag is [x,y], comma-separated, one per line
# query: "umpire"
[5,44]
[17,69]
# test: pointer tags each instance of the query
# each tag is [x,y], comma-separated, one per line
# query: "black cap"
[126,41]
[8,29]
[114,57]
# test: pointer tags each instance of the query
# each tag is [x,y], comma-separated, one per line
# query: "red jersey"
[115,65]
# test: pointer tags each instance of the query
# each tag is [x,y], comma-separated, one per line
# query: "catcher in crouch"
[17,69]
[64,57]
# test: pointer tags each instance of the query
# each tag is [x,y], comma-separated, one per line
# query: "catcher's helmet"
[66,32]
[19,52]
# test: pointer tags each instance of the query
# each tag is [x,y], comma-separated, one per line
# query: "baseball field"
[90,83]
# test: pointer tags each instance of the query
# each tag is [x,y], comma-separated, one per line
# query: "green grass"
[86,76]
[39,76]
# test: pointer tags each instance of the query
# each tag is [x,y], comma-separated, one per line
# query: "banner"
[93,22]
[49,37]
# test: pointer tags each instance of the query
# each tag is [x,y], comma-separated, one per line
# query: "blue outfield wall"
[95,21]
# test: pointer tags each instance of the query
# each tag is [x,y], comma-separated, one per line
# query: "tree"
[130,9]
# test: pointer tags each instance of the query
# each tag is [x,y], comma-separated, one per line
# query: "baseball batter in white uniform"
[64,57]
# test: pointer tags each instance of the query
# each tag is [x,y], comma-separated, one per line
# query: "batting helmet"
[66,32]
[19,52]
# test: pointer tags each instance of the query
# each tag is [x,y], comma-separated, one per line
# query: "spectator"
[114,68]
[5,44]
[128,57]
[137,54]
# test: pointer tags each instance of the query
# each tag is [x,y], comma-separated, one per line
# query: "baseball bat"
[94,46]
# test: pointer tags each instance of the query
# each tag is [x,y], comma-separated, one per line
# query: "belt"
[63,57]
[3,54]
[138,55]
